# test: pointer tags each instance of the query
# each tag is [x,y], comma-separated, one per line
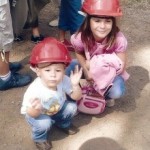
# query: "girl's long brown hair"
[88,38]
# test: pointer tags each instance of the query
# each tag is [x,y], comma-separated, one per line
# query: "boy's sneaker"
[68,45]
[54,23]
[15,80]
[15,66]
[110,103]
[46,145]
[70,131]
[37,39]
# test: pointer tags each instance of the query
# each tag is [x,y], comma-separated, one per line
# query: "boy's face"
[51,75]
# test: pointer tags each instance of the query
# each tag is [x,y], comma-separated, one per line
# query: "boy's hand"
[35,108]
[76,76]
[36,104]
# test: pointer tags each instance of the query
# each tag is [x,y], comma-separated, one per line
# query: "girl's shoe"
[110,103]
[37,39]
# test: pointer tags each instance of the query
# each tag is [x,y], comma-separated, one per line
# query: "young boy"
[45,102]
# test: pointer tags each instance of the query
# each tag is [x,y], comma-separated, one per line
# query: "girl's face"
[51,75]
[100,27]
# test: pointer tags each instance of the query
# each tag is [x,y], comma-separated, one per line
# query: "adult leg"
[7,79]
[36,36]
[10,79]
[69,20]
[63,19]
[4,65]
[19,17]
[32,22]
[54,23]
[75,19]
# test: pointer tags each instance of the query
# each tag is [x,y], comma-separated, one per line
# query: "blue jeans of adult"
[69,18]
[41,125]
[116,91]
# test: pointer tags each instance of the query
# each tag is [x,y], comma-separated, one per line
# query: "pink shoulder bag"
[91,102]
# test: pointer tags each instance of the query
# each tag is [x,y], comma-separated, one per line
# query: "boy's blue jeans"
[115,92]
[42,124]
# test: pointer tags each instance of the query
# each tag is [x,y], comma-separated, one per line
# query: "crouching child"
[51,97]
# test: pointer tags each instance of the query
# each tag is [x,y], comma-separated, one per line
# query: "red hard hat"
[102,7]
[49,50]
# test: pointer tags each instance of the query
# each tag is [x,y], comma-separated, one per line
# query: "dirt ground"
[123,127]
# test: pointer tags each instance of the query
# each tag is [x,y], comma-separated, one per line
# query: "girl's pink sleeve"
[121,43]
[77,43]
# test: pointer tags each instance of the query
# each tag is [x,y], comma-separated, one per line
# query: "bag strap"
[87,54]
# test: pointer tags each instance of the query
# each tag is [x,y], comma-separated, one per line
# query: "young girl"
[99,36]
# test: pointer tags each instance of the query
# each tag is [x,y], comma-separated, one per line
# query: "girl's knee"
[118,88]
[115,93]
[118,93]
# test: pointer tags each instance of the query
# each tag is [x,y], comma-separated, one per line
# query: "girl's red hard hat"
[102,7]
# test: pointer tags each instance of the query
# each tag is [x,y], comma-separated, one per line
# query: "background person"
[8,76]
[69,20]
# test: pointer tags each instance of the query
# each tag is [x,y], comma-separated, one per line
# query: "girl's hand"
[76,76]
[36,104]
[119,71]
